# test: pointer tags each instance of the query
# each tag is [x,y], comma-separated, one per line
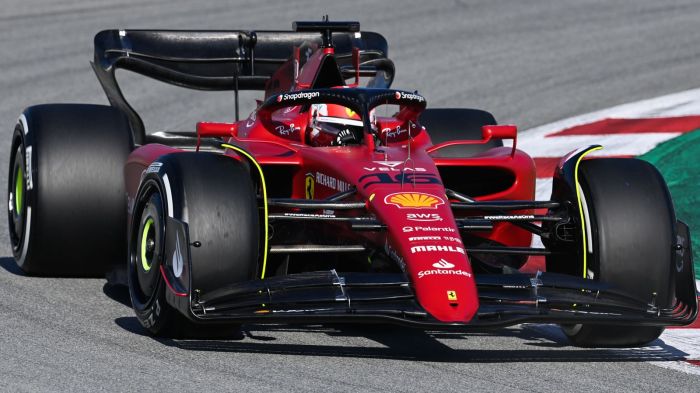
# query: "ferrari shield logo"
[451,296]
[309,186]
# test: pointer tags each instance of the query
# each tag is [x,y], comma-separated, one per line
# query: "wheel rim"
[147,244]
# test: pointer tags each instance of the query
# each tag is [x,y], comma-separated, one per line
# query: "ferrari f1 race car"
[338,199]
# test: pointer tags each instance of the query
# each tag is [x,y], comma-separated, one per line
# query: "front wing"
[509,299]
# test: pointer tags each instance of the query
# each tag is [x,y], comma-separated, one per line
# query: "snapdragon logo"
[408,96]
[295,96]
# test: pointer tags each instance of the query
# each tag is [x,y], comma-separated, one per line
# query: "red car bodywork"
[400,184]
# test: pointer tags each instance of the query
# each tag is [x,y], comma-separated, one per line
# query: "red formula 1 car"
[337,199]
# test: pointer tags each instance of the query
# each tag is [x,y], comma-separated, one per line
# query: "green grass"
[679,162]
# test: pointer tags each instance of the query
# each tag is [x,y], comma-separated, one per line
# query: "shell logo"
[414,200]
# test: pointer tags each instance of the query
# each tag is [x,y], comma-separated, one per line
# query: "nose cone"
[424,239]
[446,287]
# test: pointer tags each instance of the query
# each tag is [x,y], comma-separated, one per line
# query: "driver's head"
[341,124]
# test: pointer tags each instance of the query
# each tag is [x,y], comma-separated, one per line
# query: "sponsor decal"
[423,238]
[393,133]
[309,215]
[295,96]
[309,186]
[443,264]
[284,130]
[434,248]
[178,262]
[391,166]
[413,200]
[442,267]
[391,252]
[452,239]
[399,95]
[294,311]
[28,170]
[332,182]
[427,229]
[451,295]
[154,167]
[510,217]
[425,217]
[400,178]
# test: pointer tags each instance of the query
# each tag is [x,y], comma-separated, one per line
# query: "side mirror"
[505,131]
[221,130]
[215,130]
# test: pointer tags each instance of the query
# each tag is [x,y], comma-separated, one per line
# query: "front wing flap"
[505,299]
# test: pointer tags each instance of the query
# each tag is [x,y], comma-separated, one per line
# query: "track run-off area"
[530,63]
[662,130]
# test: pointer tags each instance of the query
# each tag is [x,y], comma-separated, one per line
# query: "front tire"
[633,232]
[213,195]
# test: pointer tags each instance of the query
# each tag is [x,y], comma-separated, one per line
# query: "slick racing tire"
[449,124]
[632,225]
[213,196]
[66,205]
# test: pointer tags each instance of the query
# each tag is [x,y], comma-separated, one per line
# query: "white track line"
[678,104]
[613,144]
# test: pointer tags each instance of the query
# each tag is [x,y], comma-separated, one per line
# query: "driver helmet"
[334,125]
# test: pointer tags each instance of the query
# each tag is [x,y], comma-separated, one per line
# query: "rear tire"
[214,196]
[449,124]
[66,193]
[633,233]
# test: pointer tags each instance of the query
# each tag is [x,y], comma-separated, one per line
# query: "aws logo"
[423,217]
[413,200]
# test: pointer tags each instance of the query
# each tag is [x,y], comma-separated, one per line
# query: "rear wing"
[212,60]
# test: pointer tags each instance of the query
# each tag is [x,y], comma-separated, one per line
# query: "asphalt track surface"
[529,63]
